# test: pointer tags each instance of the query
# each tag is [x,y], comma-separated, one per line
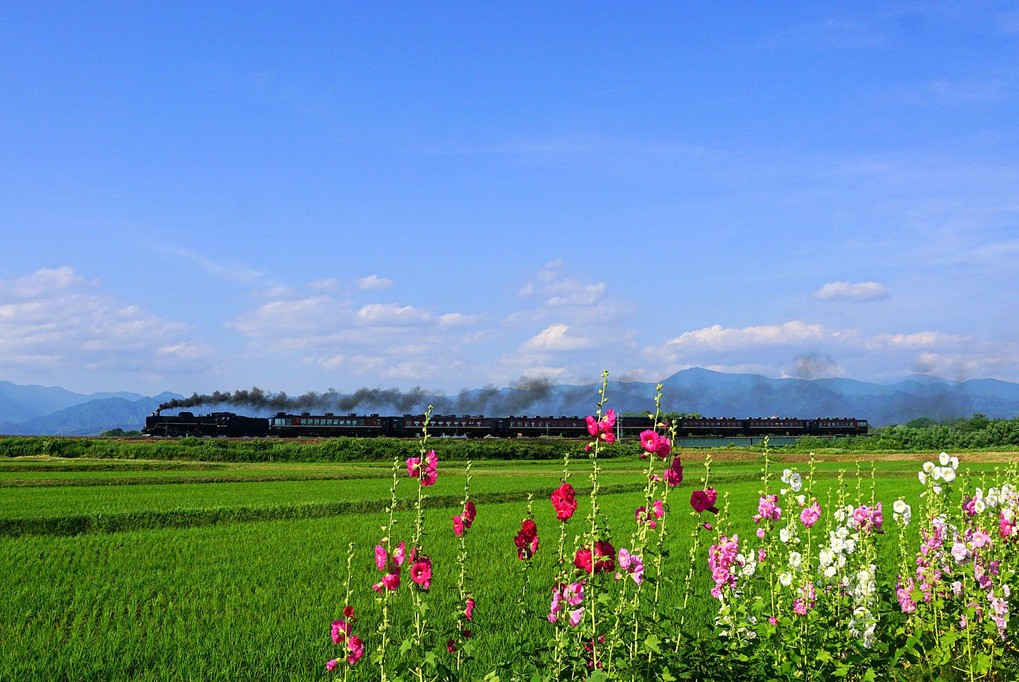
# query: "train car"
[328,425]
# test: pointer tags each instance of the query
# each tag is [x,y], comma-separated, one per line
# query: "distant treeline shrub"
[925,435]
[271,450]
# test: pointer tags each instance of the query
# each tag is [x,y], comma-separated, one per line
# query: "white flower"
[954,461]
[784,534]
[979,506]
[900,506]
[795,559]
[801,500]
[937,489]
[786,579]
[826,556]
[948,473]
[937,473]
[923,478]
[796,482]
[830,572]
[786,473]
[928,467]
[943,458]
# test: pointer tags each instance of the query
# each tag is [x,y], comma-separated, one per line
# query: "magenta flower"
[810,515]
[450,645]
[356,648]
[340,630]
[674,474]
[576,616]
[704,500]
[527,539]
[421,572]
[654,443]
[389,564]
[469,610]
[331,665]
[458,525]
[602,429]
[632,564]
[426,471]
[565,502]
[470,511]
[767,508]
[605,557]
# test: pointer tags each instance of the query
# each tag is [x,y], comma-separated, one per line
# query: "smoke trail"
[489,400]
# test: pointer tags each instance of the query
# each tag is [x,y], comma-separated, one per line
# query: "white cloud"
[851,291]
[720,338]
[392,315]
[373,283]
[555,338]
[559,290]
[55,320]
[925,339]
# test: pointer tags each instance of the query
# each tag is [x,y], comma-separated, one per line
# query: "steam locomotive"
[328,425]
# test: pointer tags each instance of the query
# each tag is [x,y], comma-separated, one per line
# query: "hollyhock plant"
[391,565]
[527,539]
[674,474]
[767,508]
[458,525]
[565,502]
[470,511]
[356,648]
[469,608]
[704,500]
[632,564]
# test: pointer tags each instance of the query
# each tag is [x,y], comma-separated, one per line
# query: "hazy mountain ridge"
[31,410]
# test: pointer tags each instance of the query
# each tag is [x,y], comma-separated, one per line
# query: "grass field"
[234,571]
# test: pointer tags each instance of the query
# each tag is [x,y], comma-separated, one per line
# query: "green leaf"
[652,643]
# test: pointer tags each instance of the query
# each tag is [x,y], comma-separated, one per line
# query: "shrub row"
[270,450]
[171,480]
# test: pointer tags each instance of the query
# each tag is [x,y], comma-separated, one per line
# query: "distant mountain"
[90,417]
[52,410]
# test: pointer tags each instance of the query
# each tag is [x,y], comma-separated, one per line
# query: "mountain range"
[44,410]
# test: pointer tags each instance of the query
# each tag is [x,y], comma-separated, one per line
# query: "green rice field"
[135,570]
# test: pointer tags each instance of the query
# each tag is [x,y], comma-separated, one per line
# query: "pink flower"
[674,474]
[356,648]
[655,478]
[399,553]
[426,471]
[527,539]
[421,572]
[704,500]
[632,564]
[380,557]
[469,611]
[391,581]
[767,508]
[810,515]
[340,630]
[773,620]
[565,502]
[602,430]
[450,645]
[605,555]
[331,665]
[576,616]
[760,533]
[654,443]
[458,526]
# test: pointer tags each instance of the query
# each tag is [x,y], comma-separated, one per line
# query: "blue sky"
[196,197]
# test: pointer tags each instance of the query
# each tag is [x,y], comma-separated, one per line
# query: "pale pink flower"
[576,616]
[811,514]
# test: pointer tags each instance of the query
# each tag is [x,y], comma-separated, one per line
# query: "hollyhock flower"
[767,508]
[565,502]
[527,539]
[605,555]
[469,610]
[399,553]
[390,581]
[458,525]
[426,471]
[655,478]
[348,613]
[421,572]
[450,646]
[655,443]
[721,558]
[470,511]
[674,474]
[761,533]
[773,620]
[704,500]
[380,557]
[356,648]
[632,564]
[576,616]
[811,514]
[960,552]
[331,665]
[340,630]
[602,430]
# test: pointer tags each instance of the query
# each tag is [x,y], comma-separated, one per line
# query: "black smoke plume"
[489,400]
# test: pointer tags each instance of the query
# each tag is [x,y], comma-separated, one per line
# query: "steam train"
[328,425]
